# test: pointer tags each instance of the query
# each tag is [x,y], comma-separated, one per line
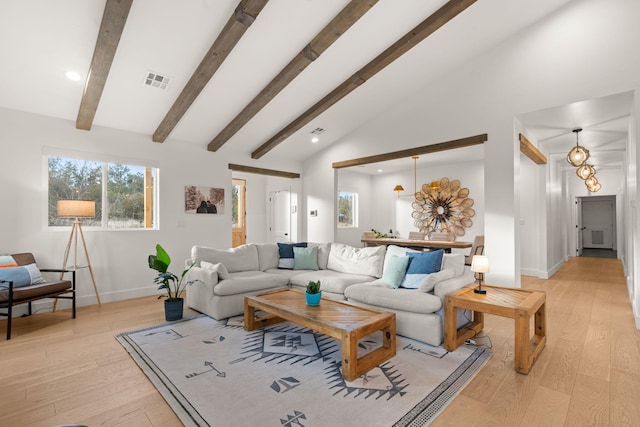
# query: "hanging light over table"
[578,154]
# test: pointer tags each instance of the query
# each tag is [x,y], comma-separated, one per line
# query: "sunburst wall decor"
[444,208]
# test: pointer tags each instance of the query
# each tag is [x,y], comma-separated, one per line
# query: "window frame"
[355,208]
[106,160]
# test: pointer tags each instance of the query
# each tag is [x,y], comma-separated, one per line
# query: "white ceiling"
[43,39]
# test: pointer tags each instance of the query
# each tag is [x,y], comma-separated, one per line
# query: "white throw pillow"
[219,268]
[454,261]
[347,259]
[242,258]
[433,279]
[323,254]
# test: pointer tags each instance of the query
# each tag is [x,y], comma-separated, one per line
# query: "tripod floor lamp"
[77,209]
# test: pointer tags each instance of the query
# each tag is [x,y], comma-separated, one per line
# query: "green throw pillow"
[395,269]
[305,258]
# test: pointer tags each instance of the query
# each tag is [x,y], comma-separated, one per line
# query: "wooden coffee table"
[341,320]
[518,304]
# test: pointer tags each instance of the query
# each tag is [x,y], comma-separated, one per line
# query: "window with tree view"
[124,194]
[347,209]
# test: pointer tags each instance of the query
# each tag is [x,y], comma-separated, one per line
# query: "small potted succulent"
[313,293]
[174,285]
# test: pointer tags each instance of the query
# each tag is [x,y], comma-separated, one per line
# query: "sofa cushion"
[7,261]
[23,275]
[305,258]
[242,258]
[454,261]
[421,264]
[219,268]
[323,254]
[394,270]
[433,279]
[268,255]
[285,251]
[380,295]
[331,281]
[347,259]
[248,281]
[393,250]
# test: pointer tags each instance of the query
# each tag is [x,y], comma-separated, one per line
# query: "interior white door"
[597,219]
[579,227]
[280,216]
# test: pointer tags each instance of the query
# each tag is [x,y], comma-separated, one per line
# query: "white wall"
[393,212]
[119,258]
[532,177]
[360,183]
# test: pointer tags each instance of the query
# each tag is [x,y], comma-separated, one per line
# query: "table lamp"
[77,209]
[480,265]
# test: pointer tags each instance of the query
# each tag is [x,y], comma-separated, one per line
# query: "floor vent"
[154,79]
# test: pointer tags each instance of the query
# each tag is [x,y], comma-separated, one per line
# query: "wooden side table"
[518,304]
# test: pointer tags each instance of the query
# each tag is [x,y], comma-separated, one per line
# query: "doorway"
[238,212]
[598,226]
[280,216]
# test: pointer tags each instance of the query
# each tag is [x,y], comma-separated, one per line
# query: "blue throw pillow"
[395,270]
[421,264]
[20,276]
[286,254]
[305,258]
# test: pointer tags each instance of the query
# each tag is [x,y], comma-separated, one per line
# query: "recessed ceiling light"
[72,75]
[379,170]
[315,139]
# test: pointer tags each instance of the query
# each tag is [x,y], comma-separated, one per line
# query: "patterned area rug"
[216,374]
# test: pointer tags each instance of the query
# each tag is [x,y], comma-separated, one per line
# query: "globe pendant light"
[585,171]
[595,188]
[591,182]
[578,155]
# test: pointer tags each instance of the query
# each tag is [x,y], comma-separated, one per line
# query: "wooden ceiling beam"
[261,171]
[325,38]
[531,151]
[245,13]
[113,21]
[416,151]
[423,30]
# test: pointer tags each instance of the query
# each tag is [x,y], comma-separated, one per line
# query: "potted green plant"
[313,293]
[174,285]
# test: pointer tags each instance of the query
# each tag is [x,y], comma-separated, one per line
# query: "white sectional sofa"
[357,275]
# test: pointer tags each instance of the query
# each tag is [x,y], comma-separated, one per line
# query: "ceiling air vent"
[154,79]
[317,131]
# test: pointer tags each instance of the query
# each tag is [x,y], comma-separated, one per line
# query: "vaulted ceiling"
[257,77]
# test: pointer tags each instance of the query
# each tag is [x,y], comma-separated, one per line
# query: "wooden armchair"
[11,296]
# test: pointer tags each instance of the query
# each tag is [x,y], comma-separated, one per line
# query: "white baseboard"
[46,305]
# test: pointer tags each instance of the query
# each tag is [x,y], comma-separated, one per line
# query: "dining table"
[418,243]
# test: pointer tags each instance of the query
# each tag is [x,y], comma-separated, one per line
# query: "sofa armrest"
[205,275]
[447,286]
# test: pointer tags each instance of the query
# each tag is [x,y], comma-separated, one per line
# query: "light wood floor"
[56,370]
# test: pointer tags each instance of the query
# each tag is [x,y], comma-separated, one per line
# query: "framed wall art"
[203,200]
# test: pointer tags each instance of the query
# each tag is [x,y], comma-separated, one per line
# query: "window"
[347,209]
[129,192]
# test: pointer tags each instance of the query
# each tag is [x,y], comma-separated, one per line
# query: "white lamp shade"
[480,264]
[76,209]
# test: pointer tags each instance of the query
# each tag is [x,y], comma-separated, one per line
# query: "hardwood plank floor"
[57,370]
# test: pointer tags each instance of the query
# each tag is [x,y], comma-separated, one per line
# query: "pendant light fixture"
[578,154]
[585,171]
